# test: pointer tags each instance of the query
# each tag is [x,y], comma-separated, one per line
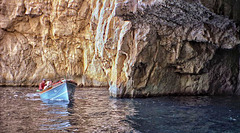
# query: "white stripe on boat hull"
[58,95]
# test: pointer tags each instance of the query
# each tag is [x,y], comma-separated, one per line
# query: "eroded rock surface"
[177,48]
[137,47]
[47,39]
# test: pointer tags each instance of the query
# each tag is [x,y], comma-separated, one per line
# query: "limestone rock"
[47,39]
[228,8]
[174,44]
[137,47]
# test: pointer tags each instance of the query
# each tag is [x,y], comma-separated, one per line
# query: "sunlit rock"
[136,47]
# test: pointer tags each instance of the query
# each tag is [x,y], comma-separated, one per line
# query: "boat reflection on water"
[57,115]
[87,112]
[58,102]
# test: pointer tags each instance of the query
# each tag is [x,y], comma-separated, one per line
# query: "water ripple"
[92,110]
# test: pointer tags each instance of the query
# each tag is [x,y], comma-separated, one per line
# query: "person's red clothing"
[41,85]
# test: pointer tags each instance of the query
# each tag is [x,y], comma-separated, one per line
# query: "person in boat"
[49,83]
[42,85]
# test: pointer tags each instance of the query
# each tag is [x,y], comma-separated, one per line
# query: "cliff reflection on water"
[92,110]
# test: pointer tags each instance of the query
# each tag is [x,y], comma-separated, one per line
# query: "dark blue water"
[92,110]
[192,114]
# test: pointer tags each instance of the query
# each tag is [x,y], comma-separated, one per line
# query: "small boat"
[60,91]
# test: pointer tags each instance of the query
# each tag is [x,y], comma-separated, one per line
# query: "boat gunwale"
[56,85]
[52,87]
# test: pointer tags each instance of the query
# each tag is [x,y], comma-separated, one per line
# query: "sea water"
[92,110]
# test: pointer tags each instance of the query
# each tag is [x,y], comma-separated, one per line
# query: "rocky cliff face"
[46,39]
[228,8]
[177,48]
[139,48]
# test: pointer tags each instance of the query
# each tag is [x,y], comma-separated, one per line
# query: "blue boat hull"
[60,92]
